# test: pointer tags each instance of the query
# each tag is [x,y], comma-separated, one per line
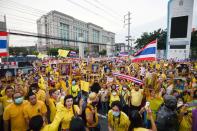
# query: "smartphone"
[147,105]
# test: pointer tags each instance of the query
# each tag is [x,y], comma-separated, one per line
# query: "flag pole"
[156,48]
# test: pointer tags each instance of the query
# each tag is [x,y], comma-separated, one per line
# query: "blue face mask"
[116,114]
[19,100]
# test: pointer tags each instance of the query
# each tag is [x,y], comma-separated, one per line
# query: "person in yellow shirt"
[91,114]
[124,98]
[114,96]
[14,114]
[36,123]
[68,110]
[52,98]
[155,102]
[7,99]
[34,107]
[40,94]
[74,90]
[117,120]
[136,97]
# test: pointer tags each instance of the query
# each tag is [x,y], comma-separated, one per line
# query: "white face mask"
[124,88]
[114,93]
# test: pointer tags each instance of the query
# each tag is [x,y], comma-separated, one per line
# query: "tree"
[103,52]
[146,38]
[54,51]
[18,51]
[194,45]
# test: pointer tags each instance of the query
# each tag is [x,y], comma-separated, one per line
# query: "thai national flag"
[3,44]
[73,53]
[122,54]
[127,77]
[148,53]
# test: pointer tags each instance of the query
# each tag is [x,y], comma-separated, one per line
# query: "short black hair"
[67,97]
[51,91]
[116,103]
[34,85]
[36,123]
[77,124]
[8,87]
[30,94]
[136,120]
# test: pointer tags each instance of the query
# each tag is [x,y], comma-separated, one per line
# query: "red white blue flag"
[123,54]
[73,53]
[3,44]
[127,77]
[147,53]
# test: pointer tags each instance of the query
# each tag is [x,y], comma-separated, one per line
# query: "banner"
[63,53]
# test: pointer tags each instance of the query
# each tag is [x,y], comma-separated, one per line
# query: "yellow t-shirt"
[88,110]
[55,124]
[63,85]
[113,98]
[41,95]
[52,107]
[141,129]
[6,101]
[118,123]
[67,114]
[15,114]
[74,90]
[136,97]
[154,105]
[32,110]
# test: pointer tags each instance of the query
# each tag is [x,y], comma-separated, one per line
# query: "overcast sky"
[146,15]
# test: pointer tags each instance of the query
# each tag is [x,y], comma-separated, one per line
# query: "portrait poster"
[65,68]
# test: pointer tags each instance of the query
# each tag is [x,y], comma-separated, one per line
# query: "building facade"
[181,22]
[59,25]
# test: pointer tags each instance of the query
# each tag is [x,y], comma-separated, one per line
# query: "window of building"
[64,32]
[95,36]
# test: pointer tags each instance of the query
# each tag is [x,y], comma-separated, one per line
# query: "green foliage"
[194,45]
[54,51]
[22,51]
[146,38]
[103,52]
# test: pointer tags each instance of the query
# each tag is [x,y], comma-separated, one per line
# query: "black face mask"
[94,103]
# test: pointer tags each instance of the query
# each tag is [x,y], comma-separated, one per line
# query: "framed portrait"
[65,68]
[95,68]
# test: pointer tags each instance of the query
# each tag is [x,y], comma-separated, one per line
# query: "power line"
[90,11]
[12,15]
[110,14]
[30,34]
[107,7]
[25,6]
[22,11]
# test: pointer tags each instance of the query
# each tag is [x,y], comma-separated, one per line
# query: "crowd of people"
[72,94]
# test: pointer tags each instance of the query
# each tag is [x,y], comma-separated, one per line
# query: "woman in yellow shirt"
[51,100]
[114,97]
[117,120]
[91,114]
[69,110]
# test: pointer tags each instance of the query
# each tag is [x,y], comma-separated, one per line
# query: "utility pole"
[127,22]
